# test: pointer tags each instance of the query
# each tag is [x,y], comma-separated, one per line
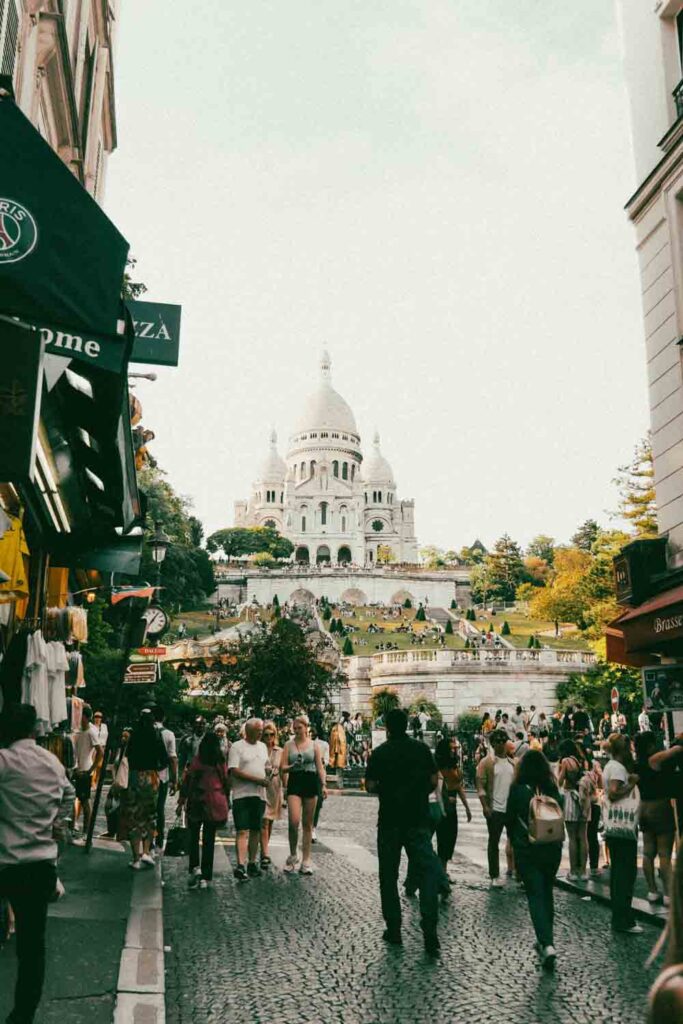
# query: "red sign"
[615,699]
[152,652]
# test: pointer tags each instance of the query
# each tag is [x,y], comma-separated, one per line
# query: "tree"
[407,603]
[593,688]
[327,613]
[277,672]
[542,547]
[263,559]
[637,501]
[449,628]
[132,289]
[276,600]
[473,555]
[536,569]
[506,631]
[525,592]
[563,600]
[347,648]
[236,541]
[385,554]
[433,557]
[382,702]
[454,604]
[586,535]
[420,615]
[500,573]
[333,625]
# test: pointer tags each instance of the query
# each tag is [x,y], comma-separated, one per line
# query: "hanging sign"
[141,672]
[615,699]
[157,332]
[22,359]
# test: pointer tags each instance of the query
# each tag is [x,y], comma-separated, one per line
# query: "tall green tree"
[235,541]
[542,546]
[277,672]
[504,569]
[586,535]
[636,485]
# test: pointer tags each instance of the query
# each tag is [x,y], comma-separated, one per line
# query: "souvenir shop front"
[70,511]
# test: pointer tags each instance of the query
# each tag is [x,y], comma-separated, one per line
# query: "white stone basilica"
[334,505]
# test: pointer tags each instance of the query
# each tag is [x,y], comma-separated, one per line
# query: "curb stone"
[140,990]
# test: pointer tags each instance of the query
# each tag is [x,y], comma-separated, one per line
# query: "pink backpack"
[546,820]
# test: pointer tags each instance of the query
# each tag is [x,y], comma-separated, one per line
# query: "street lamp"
[159,544]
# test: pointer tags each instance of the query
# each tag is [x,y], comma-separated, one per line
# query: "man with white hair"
[247,764]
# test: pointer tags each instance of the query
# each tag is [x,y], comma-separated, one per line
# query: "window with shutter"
[9,35]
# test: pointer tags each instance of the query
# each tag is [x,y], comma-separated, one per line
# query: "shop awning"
[61,259]
[656,626]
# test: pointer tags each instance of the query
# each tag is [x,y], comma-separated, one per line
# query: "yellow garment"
[13,547]
[57,587]
[338,746]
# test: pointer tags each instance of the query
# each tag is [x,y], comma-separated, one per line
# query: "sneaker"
[635,929]
[240,873]
[135,865]
[265,863]
[497,883]
[253,870]
[549,957]
[571,878]
[306,868]
[654,897]
[193,878]
[392,936]
[291,862]
[204,883]
[582,878]
[148,860]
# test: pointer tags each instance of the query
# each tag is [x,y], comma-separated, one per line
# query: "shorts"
[82,784]
[303,784]
[657,817]
[247,813]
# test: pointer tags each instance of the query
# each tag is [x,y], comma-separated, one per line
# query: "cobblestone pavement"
[289,950]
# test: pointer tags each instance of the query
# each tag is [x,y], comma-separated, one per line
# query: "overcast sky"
[431,189]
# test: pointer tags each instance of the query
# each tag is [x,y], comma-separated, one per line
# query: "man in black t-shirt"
[403,773]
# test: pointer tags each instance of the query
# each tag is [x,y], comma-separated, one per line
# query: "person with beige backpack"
[536,824]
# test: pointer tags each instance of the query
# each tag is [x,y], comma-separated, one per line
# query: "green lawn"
[365,616]
[523,627]
[201,623]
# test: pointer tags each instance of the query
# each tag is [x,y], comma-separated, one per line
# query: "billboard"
[663,687]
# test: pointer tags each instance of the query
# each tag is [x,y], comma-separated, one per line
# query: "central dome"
[325,409]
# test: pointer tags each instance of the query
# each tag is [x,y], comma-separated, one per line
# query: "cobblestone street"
[303,950]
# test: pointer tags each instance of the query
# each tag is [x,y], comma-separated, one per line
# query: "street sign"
[141,672]
[157,332]
[152,652]
[615,699]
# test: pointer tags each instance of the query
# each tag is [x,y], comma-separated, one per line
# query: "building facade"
[649,574]
[334,505]
[58,55]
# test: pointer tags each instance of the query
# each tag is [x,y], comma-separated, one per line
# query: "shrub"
[327,612]
[384,701]
[490,628]
[276,611]
[506,631]
[420,615]
[276,600]
[422,703]
[454,604]
[449,628]
[347,649]
[407,603]
[532,643]
[468,723]
[467,643]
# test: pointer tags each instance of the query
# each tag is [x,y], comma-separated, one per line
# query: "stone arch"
[323,555]
[302,554]
[302,597]
[400,596]
[354,596]
[344,554]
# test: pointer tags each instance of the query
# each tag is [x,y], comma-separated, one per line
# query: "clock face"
[157,621]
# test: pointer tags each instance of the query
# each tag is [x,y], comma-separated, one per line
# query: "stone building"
[59,58]
[334,505]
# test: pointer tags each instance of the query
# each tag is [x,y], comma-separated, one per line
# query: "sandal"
[265,862]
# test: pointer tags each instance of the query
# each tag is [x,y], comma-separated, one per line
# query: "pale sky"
[432,190]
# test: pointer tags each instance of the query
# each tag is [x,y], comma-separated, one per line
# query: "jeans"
[495,824]
[28,887]
[537,867]
[161,808]
[423,865]
[593,844]
[623,870]
[208,844]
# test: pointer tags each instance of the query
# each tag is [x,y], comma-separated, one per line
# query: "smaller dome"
[376,469]
[273,466]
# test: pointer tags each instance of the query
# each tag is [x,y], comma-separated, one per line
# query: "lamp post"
[159,545]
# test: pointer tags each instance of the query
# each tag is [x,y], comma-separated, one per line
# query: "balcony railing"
[678,98]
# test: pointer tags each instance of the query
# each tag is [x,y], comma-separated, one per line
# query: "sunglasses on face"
[269,734]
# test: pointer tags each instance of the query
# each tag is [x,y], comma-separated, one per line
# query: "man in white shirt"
[494,778]
[247,763]
[88,757]
[644,721]
[34,790]
[166,775]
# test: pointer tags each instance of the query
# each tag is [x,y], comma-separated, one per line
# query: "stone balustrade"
[545,657]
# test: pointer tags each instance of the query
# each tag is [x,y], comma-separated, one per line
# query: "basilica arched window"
[303,524]
[303,469]
[380,497]
[343,524]
[345,471]
[353,471]
[323,513]
[335,468]
[313,465]
[282,496]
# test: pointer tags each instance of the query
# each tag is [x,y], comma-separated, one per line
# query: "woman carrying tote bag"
[620,810]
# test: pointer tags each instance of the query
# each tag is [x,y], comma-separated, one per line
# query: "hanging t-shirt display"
[35,682]
[57,667]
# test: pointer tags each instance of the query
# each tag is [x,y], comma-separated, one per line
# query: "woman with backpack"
[147,756]
[577,810]
[535,823]
[205,790]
